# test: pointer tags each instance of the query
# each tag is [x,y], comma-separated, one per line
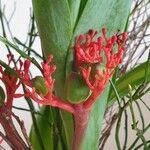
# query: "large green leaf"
[111,14]
[54,26]
[51,130]
[74,6]
[44,122]
[133,77]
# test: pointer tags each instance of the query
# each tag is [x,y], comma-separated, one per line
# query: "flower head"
[11,80]
[90,50]
[41,86]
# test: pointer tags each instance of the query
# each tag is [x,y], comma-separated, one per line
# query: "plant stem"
[16,142]
[81,117]
[139,132]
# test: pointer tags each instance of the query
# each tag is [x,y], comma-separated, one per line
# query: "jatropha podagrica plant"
[95,59]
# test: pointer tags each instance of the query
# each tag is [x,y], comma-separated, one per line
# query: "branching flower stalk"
[88,57]
[90,54]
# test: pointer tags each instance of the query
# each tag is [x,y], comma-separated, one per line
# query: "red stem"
[17,142]
[91,100]
[50,100]
[62,105]
[81,117]
[9,101]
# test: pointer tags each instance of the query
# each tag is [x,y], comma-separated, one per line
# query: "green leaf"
[51,130]
[45,128]
[54,26]
[111,14]
[74,6]
[134,77]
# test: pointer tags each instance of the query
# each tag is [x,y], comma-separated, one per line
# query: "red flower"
[89,51]
[11,81]
[49,98]
[49,83]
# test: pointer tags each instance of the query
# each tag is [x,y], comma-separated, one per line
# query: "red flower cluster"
[11,80]
[49,83]
[89,52]
[49,98]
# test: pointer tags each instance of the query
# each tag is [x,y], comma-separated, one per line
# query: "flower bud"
[2,96]
[76,89]
[39,84]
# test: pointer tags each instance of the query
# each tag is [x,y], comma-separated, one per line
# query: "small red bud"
[27,64]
